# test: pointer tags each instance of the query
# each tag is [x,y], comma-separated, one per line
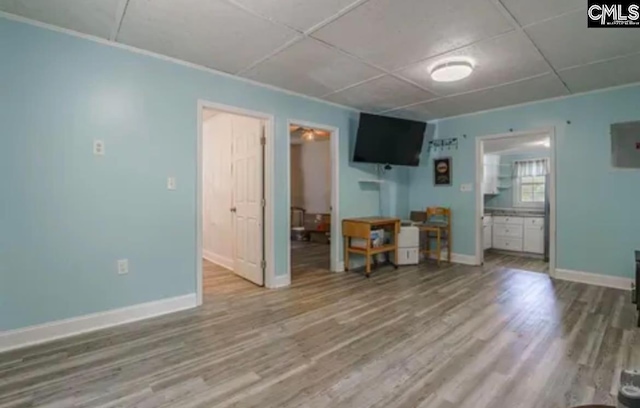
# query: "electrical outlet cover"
[466,187]
[98,147]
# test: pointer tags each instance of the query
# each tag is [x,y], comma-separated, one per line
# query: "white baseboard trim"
[457,258]
[280,281]
[29,336]
[217,259]
[616,282]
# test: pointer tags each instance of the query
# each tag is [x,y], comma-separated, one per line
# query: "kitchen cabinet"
[508,233]
[487,239]
[518,234]
[534,235]
[490,174]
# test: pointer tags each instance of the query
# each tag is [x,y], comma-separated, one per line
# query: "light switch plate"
[123,266]
[466,187]
[98,147]
[171,183]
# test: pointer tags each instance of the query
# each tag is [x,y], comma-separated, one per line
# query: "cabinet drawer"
[533,222]
[487,220]
[507,230]
[508,220]
[509,244]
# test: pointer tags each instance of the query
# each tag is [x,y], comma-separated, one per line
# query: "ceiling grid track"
[121,11]
[307,34]
[365,53]
[272,54]
[501,7]
[466,92]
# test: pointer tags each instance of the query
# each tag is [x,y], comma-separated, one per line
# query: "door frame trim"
[268,166]
[551,131]
[334,141]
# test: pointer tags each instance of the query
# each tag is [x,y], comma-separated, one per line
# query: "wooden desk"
[361,228]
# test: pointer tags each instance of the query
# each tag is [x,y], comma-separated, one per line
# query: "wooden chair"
[437,226]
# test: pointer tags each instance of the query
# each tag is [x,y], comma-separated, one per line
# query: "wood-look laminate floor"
[308,258]
[453,336]
[494,259]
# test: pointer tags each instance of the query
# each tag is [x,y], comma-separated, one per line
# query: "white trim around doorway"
[550,131]
[270,276]
[334,139]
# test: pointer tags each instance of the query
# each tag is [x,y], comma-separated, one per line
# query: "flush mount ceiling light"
[451,71]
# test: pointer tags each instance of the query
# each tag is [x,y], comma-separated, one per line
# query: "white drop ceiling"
[372,55]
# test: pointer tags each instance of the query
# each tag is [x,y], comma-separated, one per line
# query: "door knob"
[233,209]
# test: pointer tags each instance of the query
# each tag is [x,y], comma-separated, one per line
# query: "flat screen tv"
[386,140]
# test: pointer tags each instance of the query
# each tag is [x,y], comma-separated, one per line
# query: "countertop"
[505,212]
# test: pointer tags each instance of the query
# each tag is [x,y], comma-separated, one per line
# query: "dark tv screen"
[386,140]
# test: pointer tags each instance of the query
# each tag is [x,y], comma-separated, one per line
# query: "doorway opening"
[234,189]
[515,201]
[312,195]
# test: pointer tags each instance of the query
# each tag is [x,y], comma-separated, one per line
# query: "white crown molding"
[104,41]
[616,282]
[32,335]
[519,105]
[107,42]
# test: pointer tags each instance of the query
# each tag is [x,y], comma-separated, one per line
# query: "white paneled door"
[247,158]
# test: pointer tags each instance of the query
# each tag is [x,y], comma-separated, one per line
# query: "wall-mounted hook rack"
[442,144]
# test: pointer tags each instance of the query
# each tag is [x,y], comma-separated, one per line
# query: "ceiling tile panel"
[605,74]
[300,14]
[499,60]
[212,33]
[380,94]
[421,115]
[542,87]
[567,41]
[531,11]
[438,108]
[95,17]
[394,34]
[312,68]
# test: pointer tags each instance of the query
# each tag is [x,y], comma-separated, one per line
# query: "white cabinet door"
[486,236]
[534,240]
[490,174]
[247,198]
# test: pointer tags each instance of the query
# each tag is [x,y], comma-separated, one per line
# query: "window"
[531,190]
[530,182]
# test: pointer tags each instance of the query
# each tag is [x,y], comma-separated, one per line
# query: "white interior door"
[247,207]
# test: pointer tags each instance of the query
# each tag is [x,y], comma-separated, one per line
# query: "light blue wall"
[504,198]
[598,227]
[66,216]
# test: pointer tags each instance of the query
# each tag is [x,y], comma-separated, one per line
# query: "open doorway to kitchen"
[516,202]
